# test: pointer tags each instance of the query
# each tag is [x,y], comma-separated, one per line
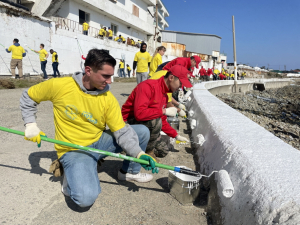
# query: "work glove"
[182,106]
[151,161]
[171,111]
[182,139]
[33,133]
[182,113]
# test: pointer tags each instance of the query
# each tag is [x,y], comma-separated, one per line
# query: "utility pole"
[234,55]
[284,67]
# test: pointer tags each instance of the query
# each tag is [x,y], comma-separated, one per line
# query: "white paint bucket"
[184,188]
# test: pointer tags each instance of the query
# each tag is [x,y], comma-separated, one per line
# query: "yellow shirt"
[43,54]
[79,118]
[102,32]
[142,58]
[121,65]
[232,75]
[110,33]
[123,39]
[17,51]
[216,72]
[85,26]
[227,74]
[158,75]
[128,68]
[155,62]
[132,42]
[53,57]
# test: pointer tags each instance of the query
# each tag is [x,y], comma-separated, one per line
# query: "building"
[56,22]
[206,46]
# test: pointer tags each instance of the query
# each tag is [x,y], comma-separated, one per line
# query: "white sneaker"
[12,77]
[140,177]
[64,186]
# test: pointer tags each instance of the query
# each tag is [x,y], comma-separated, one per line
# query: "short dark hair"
[169,73]
[51,50]
[16,40]
[96,58]
[192,57]
[43,45]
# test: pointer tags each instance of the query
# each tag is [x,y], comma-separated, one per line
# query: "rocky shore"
[277,110]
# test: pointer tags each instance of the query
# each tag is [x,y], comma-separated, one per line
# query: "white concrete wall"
[62,41]
[264,169]
[70,10]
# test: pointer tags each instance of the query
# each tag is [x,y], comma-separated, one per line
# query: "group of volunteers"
[226,75]
[18,52]
[103,32]
[83,107]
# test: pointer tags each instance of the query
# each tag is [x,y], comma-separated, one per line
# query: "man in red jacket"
[202,73]
[147,105]
[188,63]
[209,72]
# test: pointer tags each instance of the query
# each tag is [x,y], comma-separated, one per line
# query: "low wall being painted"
[263,169]
[35,30]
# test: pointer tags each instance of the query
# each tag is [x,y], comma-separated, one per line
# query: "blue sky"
[267,31]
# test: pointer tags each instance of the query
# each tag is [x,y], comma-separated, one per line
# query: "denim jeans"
[55,69]
[110,38]
[128,71]
[80,167]
[43,68]
[119,40]
[85,32]
[122,72]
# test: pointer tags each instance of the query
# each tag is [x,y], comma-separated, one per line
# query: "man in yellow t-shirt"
[82,107]
[128,70]
[121,67]
[110,34]
[141,61]
[43,58]
[18,53]
[85,28]
[102,32]
[54,63]
[120,38]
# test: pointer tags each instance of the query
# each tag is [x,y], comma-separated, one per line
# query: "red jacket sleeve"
[166,127]
[170,64]
[142,112]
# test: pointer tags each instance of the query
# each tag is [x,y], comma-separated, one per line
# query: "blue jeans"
[110,38]
[80,167]
[128,71]
[85,32]
[55,69]
[119,40]
[43,68]
[122,72]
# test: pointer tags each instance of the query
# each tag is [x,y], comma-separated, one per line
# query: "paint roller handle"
[187,172]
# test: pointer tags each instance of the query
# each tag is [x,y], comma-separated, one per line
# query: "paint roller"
[225,185]
[79,47]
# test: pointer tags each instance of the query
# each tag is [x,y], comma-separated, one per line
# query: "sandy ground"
[31,195]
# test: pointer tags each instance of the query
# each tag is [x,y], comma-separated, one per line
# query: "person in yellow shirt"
[54,63]
[227,76]
[102,32]
[216,74]
[83,106]
[43,58]
[121,67]
[156,59]
[120,38]
[110,34]
[243,75]
[132,42]
[141,63]
[85,28]
[232,76]
[18,53]
[128,70]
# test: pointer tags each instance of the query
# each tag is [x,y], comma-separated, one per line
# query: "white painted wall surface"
[70,10]
[264,169]
[62,41]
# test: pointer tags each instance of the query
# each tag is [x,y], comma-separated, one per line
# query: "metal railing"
[73,26]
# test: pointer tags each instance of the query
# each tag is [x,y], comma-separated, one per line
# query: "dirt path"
[30,195]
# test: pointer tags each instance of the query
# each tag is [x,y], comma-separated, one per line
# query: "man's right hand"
[33,133]
[171,111]
[133,73]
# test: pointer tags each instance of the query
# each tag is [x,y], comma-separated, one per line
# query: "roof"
[180,32]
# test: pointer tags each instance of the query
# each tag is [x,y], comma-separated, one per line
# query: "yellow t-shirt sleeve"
[42,91]
[114,119]
[136,57]
[10,48]
[158,74]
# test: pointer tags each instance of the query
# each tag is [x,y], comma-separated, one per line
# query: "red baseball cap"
[181,72]
[198,60]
